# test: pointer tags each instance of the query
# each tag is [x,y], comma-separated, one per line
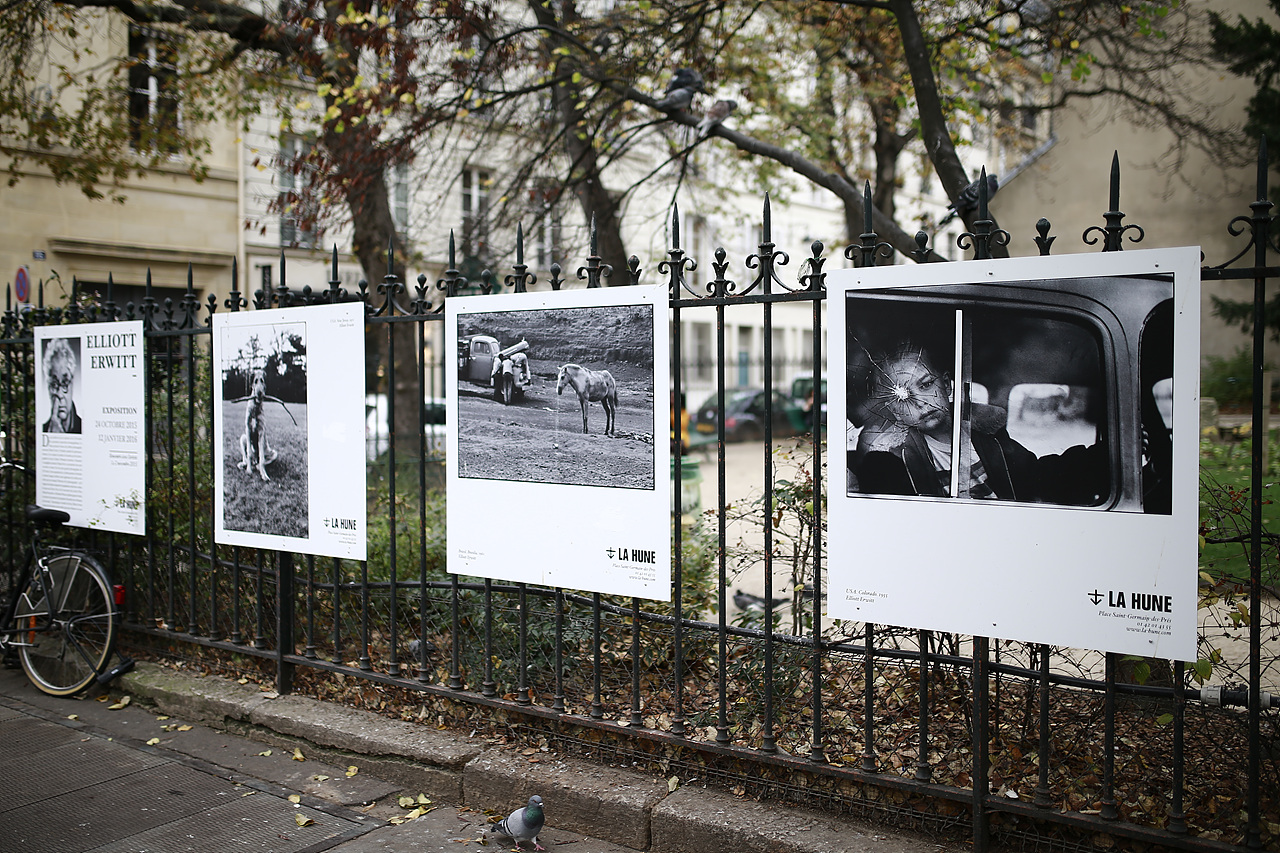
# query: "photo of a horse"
[591,386]
[586,419]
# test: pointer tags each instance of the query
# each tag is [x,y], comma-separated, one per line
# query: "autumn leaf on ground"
[153,741]
[295,799]
[184,728]
[303,820]
[265,752]
[123,703]
[73,716]
[352,770]
[297,755]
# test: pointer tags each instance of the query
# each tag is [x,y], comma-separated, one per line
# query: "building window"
[153,89]
[475,213]
[400,198]
[298,211]
[548,233]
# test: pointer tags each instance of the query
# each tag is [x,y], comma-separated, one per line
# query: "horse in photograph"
[593,386]
[255,451]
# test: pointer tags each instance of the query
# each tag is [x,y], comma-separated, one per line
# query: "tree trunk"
[585,177]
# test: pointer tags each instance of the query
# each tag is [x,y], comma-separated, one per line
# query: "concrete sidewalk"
[206,764]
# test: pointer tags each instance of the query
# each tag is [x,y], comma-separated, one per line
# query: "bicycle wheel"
[64,657]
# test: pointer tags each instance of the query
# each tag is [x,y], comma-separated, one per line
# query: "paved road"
[90,775]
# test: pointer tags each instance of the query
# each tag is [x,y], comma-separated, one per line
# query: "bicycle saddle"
[40,515]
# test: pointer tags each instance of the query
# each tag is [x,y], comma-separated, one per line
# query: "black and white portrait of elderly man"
[61,370]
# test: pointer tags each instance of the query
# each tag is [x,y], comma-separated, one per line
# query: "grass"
[278,506]
[1225,482]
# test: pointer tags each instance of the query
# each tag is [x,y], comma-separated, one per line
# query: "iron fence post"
[284,623]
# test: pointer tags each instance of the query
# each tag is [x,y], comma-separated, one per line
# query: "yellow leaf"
[352,770]
[422,800]
[242,681]
[123,703]
[406,802]
[295,799]
[73,716]
[297,755]
[303,105]
[320,777]
[303,820]
[184,728]
[265,752]
[672,784]
[153,741]
[162,717]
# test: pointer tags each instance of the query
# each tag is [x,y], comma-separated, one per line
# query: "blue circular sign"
[22,285]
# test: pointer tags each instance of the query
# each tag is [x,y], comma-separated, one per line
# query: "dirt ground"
[539,438]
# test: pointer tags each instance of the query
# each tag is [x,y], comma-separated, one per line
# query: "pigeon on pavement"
[968,199]
[719,111]
[523,824]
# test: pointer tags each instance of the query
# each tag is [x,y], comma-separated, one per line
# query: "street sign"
[22,285]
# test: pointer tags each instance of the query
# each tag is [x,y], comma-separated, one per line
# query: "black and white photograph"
[289,458]
[953,395]
[557,395]
[555,435]
[264,428]
[61,361]
[1038,418]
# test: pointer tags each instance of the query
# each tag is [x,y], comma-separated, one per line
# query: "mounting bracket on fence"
[1220,696]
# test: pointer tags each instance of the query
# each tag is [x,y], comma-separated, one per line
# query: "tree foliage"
[1252,49]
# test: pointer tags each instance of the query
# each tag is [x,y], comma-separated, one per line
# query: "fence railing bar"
[924,771]
[1108,798]
[1043,796]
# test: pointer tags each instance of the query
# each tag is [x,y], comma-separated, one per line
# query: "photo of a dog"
[264,416]
[255,450]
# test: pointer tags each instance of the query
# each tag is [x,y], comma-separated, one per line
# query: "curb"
[624,807]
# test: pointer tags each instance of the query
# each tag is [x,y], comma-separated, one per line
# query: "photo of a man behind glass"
[974,402]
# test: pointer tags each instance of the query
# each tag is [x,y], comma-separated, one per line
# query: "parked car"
[377,437]
[802,388]
[744,416]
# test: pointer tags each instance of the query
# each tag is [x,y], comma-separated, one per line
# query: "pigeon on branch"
[523,824]
[967,202]
[719,111]
[685,83]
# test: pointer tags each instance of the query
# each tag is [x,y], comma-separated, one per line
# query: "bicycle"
[63,612]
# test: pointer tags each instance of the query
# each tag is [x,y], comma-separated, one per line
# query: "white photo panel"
[90,404]
[289,456]
[1020,449]
[557,458]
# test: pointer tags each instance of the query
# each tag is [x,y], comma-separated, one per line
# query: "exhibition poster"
[558,459]
[288,409]
[90,404]
[1020,449]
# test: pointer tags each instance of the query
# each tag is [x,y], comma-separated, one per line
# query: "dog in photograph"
[255,451]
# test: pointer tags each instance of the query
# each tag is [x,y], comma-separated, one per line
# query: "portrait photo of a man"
[61,360]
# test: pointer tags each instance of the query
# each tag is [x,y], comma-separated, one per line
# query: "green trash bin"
[689,489]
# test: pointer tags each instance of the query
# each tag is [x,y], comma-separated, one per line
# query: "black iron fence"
[1024,744]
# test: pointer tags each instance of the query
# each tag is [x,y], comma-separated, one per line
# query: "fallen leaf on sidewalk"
[297,755]
[153,741]
[295,799]
[319,777]
[265,752]
[73,716]
[303,820]
[123,703]
[352,770]
[162,717]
